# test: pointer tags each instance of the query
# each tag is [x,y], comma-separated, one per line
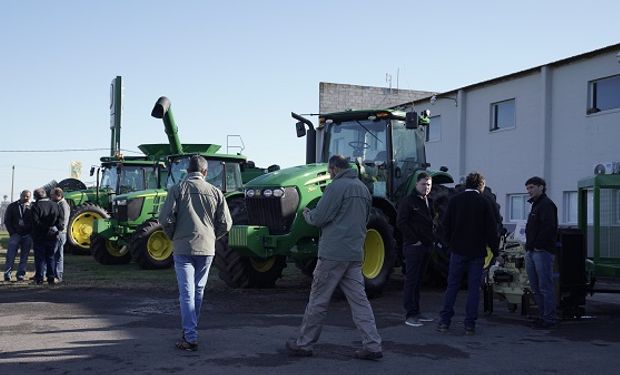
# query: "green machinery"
[599,220]
[387,148]
[115,175]
[133,230]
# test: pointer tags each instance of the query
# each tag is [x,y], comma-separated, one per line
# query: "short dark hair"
[338,161]
[538,181]
[423,176]
[474,180]
[197,163]
[58,192]
[39,194]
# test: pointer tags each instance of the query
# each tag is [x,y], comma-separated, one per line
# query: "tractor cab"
[223,173]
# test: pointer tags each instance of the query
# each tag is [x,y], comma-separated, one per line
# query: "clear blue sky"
[241,67]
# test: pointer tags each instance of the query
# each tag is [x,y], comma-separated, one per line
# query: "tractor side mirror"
[301,129]
[92,170]
[411,120]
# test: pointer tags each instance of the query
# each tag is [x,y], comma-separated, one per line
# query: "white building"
[556,121]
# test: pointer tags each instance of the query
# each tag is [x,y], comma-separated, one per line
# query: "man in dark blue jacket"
[540,235]
[18,224]
[47,223]
[415,222]
[470,227]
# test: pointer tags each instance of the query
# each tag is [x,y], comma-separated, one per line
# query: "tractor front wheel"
[108,252]
[80,227]
[379,252]
[150,246]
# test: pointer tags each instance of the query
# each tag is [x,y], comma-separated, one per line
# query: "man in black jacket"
[18,224]
[540,237]
[47,222]
[415,222]
[470,227]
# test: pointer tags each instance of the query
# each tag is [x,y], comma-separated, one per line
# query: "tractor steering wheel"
[359,145]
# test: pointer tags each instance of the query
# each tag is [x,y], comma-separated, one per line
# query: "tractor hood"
[294,176]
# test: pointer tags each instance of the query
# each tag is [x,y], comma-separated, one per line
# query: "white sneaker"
[413,321]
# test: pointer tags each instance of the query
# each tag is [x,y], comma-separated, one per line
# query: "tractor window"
[178,172]
[364,139]
[132,179]
[409,154]
[109,178]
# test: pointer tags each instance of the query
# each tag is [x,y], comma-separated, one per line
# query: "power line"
[67,150]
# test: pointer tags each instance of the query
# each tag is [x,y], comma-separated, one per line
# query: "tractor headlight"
[267,193]
[249,193]
[278,193]
[121,202]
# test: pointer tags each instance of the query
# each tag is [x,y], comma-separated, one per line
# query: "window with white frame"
[518,207]
[433,130]
[503,115]
[570,207]
[603,94]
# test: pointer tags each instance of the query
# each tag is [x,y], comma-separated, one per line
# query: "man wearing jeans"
[470,226]
[415,222]
[540,237]
[341,214]
[58,196]
[17,220]
[195,215]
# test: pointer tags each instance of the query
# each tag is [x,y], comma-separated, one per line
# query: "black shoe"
[7,277]
[368,355]
[295,351]
[51,281]
[183,344]
[544,324]
[20,278]
[441,328]
[37,282]
[470,331]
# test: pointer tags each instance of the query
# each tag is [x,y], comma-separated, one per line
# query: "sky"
[240,67]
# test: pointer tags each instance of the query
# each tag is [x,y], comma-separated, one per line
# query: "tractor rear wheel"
[379,252]
[108,252]
[150,246]
[241,271]
[80,227]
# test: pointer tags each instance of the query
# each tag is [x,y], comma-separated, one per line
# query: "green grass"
[4,239]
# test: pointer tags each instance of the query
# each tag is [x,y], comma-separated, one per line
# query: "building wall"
[334,97]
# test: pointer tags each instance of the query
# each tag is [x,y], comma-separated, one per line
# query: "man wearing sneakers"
[415,222]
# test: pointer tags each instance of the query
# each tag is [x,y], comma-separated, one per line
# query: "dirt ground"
[71,330]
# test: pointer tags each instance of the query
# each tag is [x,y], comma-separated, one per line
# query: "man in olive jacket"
[195,215]
[341,214]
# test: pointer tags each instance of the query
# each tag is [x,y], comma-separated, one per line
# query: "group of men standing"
[41,226]
[195,215]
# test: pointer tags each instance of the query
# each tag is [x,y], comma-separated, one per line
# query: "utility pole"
[12,182]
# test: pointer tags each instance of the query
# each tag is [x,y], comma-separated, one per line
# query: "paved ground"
[55,330]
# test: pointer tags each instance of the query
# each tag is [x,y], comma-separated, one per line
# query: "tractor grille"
[275,213]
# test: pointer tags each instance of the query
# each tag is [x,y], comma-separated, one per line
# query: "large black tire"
[244,272]
[108,252]
[150,247]
[80,227]
[379,252]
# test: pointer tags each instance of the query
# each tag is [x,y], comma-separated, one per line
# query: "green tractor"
[387,148]
[115,175]
[133,231]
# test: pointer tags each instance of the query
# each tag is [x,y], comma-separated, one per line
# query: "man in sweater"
[47,223]
[195,215]
[415,222]
[470,227]
[540,235]
[18,224]
[341,214]
[58,196]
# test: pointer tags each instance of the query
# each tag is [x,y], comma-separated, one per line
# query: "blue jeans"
[17,242]
[460,264]
[192,272]
[416,261]
[44,259]
[539,267]
[59,261]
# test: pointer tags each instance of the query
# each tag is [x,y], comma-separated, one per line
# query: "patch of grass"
[4,239]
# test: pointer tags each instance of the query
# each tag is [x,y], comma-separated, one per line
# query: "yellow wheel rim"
[82,228]
[159,246]
[488,258]
[374,254]
[262,265]
[115,250]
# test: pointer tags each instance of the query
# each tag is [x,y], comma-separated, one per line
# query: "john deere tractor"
[387,149]
[134,227]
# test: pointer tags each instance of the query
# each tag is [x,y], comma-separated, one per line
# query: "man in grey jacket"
[341,214]
[195,215]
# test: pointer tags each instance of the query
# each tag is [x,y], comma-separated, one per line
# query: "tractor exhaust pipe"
[163,111]
[310,136]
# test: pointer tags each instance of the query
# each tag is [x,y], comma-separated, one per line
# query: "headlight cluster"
[267,193]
